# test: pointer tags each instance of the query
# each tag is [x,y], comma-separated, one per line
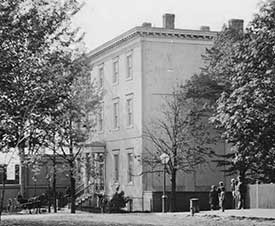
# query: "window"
[78,165]
[129,110]
[101,75]
[130,167]
[100,118]
[115,70]
[116,167]
[101,176]
[12,174]
[116,114]
[129,63]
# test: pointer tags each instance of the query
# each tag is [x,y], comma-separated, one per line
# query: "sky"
[103,20]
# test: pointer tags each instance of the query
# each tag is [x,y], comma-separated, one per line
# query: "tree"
[75,124]
[219,62]
[214,80]
[60,96]
[247,112]
[37,45]
[70,122]
[182,134]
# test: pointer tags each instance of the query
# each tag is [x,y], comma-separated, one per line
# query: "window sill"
[129,79]
[130,183]
[10,185]
[130,127]
[115,184]
[115,129]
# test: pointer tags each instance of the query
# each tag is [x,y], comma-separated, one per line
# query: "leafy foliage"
[47,97]
[35,56]
[206,87]
[247,113]
[117,202]
[239,85]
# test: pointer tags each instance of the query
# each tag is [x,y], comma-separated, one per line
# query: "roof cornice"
[153,32]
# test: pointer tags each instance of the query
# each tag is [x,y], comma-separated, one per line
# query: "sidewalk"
[268,214]
[243,213]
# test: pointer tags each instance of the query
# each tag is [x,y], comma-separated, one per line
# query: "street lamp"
[34,180]
[164,160]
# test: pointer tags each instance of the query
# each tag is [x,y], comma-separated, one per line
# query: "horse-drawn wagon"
[35,203]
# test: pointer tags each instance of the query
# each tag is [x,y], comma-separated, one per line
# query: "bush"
[117,202]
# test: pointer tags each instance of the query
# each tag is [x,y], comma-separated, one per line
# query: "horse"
[34,203]
[22,202]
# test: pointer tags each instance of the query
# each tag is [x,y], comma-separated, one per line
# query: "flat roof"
[157,32]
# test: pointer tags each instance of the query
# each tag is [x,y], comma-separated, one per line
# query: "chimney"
[205,28]
[236,25]
[146,24]
[168,21]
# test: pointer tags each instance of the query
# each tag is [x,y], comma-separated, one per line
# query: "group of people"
[217,195]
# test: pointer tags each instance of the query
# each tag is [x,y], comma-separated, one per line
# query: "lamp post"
[34,180]
[164,160]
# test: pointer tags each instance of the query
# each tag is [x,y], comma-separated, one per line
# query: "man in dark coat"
[213,198]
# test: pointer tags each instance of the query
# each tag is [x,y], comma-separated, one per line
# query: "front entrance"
[94,172]
[91,175]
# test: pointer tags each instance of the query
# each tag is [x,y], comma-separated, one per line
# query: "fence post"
[257,194]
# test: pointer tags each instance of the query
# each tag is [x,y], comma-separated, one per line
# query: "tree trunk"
[71,165]
[54,181]
[22,171]
[72,182]
[49,196]
[173,191]
[3,193]
[54,189]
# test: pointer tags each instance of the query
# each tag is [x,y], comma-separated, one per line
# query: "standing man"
[240,190]
[213,198]
[222,199]
[233,190]
[221,193]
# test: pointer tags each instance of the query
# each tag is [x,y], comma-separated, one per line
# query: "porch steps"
[83,198]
